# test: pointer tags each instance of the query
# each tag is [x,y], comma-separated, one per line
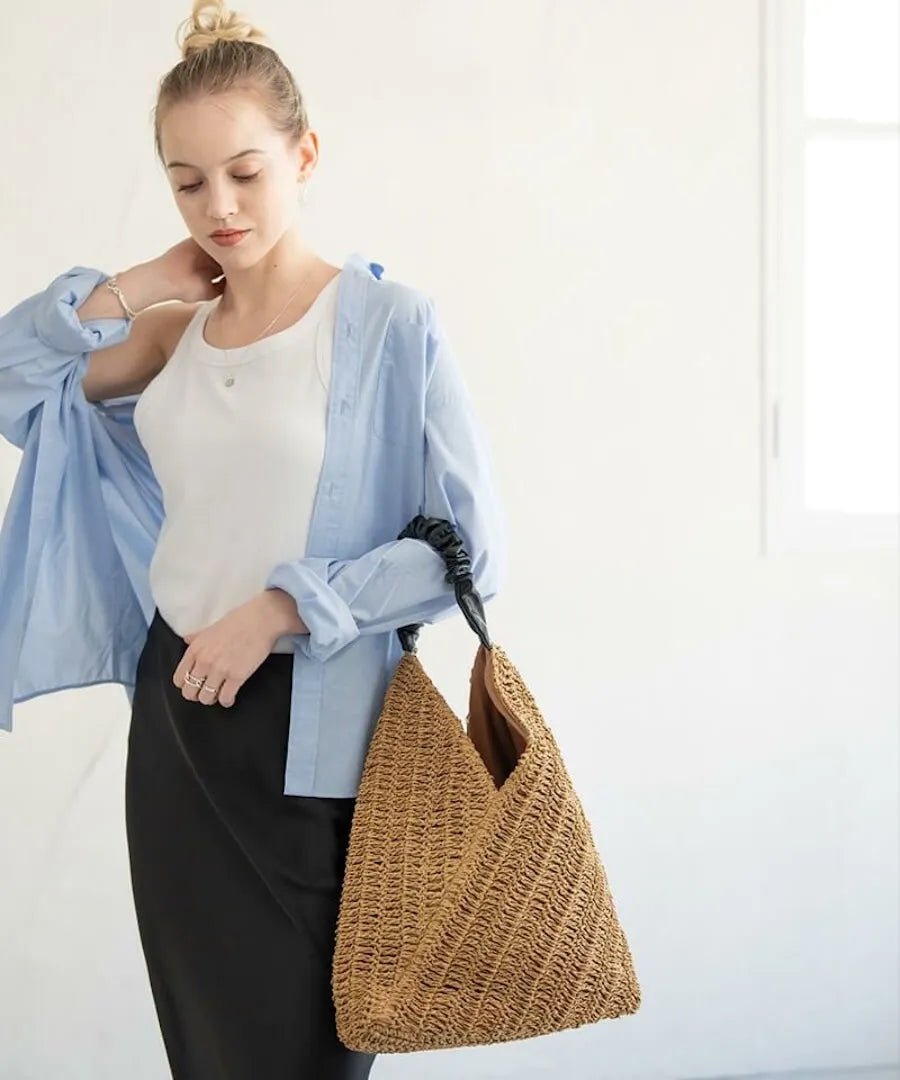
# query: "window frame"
[788,524]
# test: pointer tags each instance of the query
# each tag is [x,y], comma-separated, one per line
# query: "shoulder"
[400,301]
[415,355]
[169,322]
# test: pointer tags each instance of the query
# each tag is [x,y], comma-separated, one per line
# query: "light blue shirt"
[85,512]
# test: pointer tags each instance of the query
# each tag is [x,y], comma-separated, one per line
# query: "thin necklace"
[229,379]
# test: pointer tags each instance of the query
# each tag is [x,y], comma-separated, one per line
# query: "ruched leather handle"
[439,534]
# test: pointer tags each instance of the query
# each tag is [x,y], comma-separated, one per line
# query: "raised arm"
[52,334]
[77,325]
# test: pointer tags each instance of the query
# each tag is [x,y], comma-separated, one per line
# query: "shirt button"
[229,381]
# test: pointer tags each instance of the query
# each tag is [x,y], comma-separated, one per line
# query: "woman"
[203,419]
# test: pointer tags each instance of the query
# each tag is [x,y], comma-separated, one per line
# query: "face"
[254,191]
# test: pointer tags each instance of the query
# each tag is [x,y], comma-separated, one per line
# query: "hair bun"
[211,21]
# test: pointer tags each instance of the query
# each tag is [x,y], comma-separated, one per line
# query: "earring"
[303,189]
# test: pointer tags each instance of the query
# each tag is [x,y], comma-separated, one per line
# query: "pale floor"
[887,1073]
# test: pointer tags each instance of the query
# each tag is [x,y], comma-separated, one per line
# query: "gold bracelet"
[113,285]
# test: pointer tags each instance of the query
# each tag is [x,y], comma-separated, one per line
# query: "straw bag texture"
[474,908]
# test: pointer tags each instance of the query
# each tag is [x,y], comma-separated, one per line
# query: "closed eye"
[240,180]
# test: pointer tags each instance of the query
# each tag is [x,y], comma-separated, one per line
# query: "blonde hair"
[221,51]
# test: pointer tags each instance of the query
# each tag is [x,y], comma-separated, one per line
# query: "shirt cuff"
[57,324]
[327,615]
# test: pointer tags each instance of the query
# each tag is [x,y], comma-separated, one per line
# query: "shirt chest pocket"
[398,415]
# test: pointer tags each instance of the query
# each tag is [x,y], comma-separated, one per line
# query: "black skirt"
[236,885]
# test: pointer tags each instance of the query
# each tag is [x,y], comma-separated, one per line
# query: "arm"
[46,337]
[403,581]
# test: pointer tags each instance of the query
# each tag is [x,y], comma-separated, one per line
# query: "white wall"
[577,184]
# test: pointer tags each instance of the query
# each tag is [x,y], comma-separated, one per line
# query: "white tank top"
[236,439]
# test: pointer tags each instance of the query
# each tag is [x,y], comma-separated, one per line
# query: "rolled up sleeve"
[42,340]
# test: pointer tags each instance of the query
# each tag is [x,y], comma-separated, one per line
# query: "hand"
[188,272]
[231,649]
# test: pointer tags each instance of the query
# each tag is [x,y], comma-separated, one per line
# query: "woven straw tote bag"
[474,907]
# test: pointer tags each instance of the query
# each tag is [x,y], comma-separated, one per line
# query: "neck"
[255,290]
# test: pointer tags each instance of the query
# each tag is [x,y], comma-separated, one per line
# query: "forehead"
[206,131]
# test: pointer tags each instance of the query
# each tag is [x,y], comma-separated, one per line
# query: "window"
[831,273]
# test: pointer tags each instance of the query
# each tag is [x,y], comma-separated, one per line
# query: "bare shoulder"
[129,366]
[170,322]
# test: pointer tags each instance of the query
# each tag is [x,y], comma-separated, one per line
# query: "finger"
[188,690]
[206,695]
[185,665]
[228,692]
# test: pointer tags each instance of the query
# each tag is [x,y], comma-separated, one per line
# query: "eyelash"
[240,179]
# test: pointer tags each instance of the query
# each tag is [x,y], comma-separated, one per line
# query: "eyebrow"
[186,165]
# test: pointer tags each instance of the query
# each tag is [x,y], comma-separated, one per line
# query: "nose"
[220,205]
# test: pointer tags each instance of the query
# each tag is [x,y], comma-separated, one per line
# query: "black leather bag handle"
[439,534]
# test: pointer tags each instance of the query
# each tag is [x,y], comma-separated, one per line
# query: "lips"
[228,232]
[229,239]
